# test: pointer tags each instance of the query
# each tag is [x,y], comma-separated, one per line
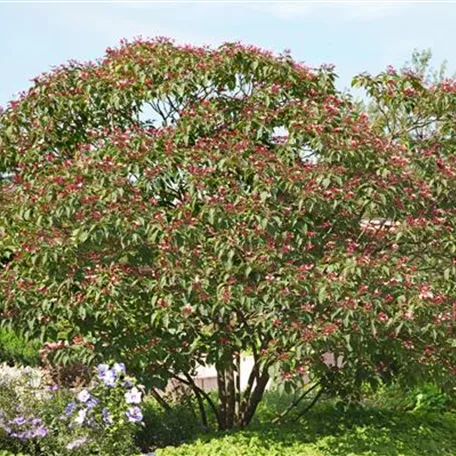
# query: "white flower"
[119,368]
[109,378]
[24,381]
[83,396]
[102,369]
[76,443]
[26,376]
[81,416]
[133,396]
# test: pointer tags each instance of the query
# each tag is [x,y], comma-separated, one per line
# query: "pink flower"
[425,292]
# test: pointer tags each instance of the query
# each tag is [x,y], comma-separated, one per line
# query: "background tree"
[401,102]
[203,233]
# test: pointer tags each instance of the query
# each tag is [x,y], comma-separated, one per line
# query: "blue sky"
[356,36]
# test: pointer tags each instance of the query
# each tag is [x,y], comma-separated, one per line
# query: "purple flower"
[133,396]
[134,414]
[107,418]
[41,432]
[19,420]
[110,376]
[69,409]
[35,428]
[92,402]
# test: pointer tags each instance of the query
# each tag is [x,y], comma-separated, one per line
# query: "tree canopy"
[256,210]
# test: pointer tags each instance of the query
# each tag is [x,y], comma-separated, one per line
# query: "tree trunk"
[222,398]
[228,394]
[255,399]
[294,404]
[201,394]
[157,396]
[237,411]
[203,414]
[312,403]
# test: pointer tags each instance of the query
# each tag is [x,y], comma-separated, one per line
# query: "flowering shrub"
[22,379]
[99,420]
[109,408]
[261,211]
[23,393]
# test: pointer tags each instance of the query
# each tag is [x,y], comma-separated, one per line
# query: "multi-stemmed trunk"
[236,408]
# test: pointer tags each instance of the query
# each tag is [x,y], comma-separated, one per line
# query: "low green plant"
[172,426]
[15,349]
[426,397]
[330,432]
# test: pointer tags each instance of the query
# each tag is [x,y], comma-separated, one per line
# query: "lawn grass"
[329,432]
